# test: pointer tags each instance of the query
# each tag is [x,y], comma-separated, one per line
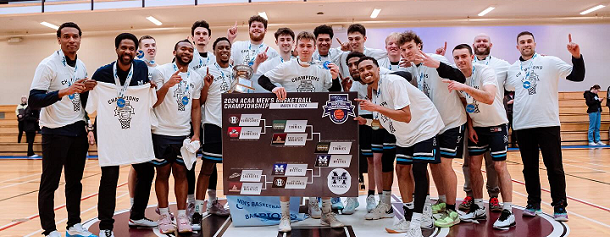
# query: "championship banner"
[306,145]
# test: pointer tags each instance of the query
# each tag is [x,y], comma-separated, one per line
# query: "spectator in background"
[20,111]
[509,99]
[595,114]
[30,126]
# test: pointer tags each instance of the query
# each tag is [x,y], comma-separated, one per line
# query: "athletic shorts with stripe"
[167,149]
[451,142]
[426,151]
[212,146]
[365,134]
[384,142]
[493,138]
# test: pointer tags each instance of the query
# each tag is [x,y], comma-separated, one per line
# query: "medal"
[325,64]
[120,102]
[527,84]
[470,108]
[376,124]
[185,100]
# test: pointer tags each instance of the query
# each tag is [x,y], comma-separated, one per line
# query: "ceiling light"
[487,10]
[263,15]
[585,12]
[154,20]
[44,23]
[375,13]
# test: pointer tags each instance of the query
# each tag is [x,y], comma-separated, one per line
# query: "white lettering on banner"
[296,169]
[340,148]
[296,183]
[295,126]
[251,188]
[296,139]
[250,119]
[340,161]
[251,175]
[293,105]
[250,133]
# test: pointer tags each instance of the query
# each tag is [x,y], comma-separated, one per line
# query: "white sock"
[326,205]
[387,196]
[285,206]
[479,202]
[199,206]
[131,201]
[313,200]
[164,210]
[409,205]
[190,198]
[181,212]
[442,198]
[212,195]
[416,220]
[507,206]
[427,199]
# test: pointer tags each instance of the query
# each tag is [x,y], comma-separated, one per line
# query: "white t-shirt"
[263,68]
[123,133]
[387,64]
[174,113]
[223,79]
[334,54]
[375,53]
[296,78]
[361,88]
[244,52]
[484,115]
[200,62]
[54,74]
[447,103]
[394,92]
[536,95]
[500,66]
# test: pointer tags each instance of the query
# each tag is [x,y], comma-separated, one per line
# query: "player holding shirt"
[534,78]
[415,125]
[178,106]
[217,80]
[487,131]
[429,71]
[301,75]
[253,52]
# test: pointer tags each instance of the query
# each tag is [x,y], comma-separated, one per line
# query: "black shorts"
[382,140]
[212,145]
[167,149]
[422,152]
[451,141]
[493,138]
[365,134]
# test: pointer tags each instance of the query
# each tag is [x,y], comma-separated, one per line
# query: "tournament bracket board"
[304,146]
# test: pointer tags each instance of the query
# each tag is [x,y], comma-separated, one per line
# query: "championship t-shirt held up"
[485,115]
[296,78]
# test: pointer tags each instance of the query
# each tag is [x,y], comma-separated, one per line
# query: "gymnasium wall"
[18,61]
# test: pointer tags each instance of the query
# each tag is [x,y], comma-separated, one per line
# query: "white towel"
[188,152]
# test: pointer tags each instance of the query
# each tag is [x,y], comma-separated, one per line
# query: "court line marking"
[28,181]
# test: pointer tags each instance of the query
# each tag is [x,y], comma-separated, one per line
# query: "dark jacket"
[31,119]
[593,102]
[608,97]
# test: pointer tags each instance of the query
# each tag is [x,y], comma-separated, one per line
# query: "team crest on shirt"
[123,112]
[531,82]
[338,108]
[182,95]
[75,99]
[306,86]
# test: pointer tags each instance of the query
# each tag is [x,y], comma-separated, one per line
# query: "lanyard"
[377,94]
[251,62]
[117,81]
[188,76]
[488,58]
[328,55]
[420,79]
[65,63]
[206,62]
[528,69]
[222,72]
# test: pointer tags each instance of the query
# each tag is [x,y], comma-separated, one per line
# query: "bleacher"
[572,113]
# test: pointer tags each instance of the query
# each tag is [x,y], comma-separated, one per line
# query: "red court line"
[55,209]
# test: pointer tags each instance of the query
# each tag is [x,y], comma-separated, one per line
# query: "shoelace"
[108,233]
[505,214]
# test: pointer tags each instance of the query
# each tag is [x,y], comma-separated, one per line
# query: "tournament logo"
[123,111]
[339,181]
[140,54]
[322,147]
[322,160]
[279,182]
[279,169]
[182,95]
[338,108]
[279,138]
[233,119]
[234,132]
[234,176]
[234,187]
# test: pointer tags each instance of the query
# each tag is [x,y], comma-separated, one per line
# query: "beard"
[487,51]
[255,38]
[125,61]
[179,59]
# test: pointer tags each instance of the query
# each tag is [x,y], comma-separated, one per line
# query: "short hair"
[323,29]
[463,46]
[185,40]
[145,37]
[123,36]
[219,39]
[306,35]
[68,24]
[354,54]
[284,31]
[523,33]
[201,23]
[356,28]
[409,36]
[596,87]
[368,58]
[393,35]
[257,18]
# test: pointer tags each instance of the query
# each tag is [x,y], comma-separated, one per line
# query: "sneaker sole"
[394,231]
[455,222]
[505,227]
[527,214]
[377,218]
[196,228]
[562,219]
[285,230]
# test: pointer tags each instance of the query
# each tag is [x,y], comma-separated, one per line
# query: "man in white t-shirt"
[284,39]
[201,35]
[177,108]
[356,36]
[415,125]
[60,88]
[430,70]
[302,75]
[324,39]
[218,78]
[392,61]
[482,50]
[253,52]
[535,79]
[487,132]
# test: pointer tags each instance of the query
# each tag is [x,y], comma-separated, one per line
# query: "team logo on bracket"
[279,169]
[338,108]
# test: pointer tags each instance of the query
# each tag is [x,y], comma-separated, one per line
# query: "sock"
[131,201]
[371,192]
[408,210]
[181,212]
[450,207]
[380,196]
[190,198]
[285,206]
[387,196]
[416,220]
[427,199]
[507,206]
[199,206]
[164,210]
[313,200]
[479,202]
[326,205]
[212,195]
[442,198]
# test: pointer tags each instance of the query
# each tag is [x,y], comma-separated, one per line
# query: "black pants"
[548,141]
[68,153]
[513,135]
[20,126]
[146,173]
[30,136]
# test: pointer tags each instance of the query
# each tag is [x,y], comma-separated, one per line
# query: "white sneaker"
[350,206]
[329,219]
[381,211]
[475,213]
[217,209]
[370,203]
[592,144]
[106,233]
[144,222]
[54,233]
[600,143]
[401,227]
[414,232]
[77,230]
[505,221]
[285,225]
[314,209]
[427,221]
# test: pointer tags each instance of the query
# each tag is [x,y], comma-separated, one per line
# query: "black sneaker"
[560,213]
[196,221]
[532,210]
